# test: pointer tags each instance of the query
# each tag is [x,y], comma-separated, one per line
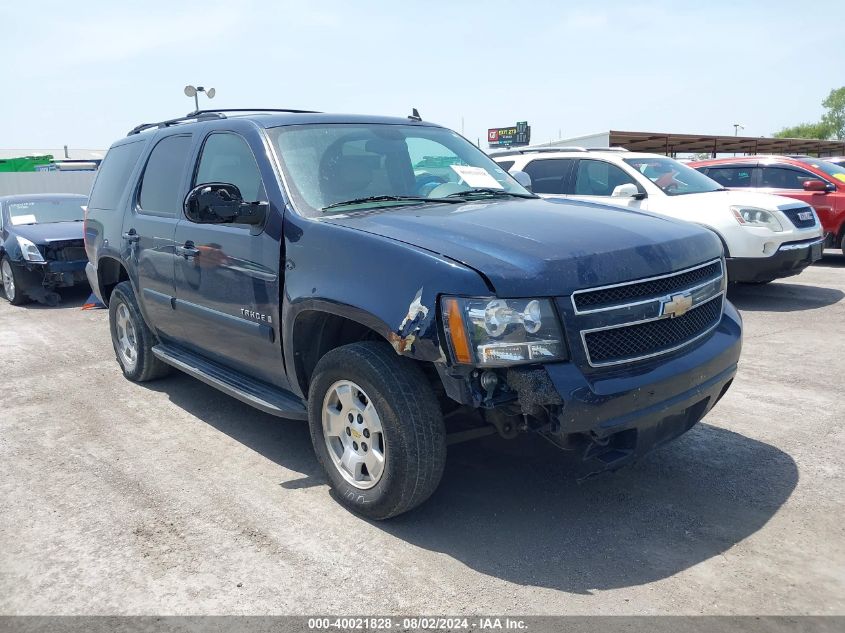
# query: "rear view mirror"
[522,178]
[222,203]
[817,185]
[627,190]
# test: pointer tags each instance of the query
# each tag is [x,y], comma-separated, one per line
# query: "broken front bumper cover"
[35,276]
[631,410]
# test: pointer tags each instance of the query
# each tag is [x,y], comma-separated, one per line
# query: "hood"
[44,234]
[536,247]
[721,200]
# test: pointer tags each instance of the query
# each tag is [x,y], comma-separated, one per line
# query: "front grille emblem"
[676,305]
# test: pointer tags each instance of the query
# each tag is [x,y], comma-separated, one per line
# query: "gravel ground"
[171,498]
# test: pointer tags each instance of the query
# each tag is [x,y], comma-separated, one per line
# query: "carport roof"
[664,143]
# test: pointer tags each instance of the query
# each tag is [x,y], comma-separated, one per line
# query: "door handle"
[131,236]
[188,250]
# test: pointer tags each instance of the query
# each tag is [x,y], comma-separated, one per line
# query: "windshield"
[673,178]
[831,169]
[47,211]
[336,168]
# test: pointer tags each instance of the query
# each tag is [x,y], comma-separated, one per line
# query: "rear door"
[549,175]
[149,227]
[595,180]
[732,176]
[227,277]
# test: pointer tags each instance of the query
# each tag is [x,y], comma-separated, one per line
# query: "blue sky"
[83,73]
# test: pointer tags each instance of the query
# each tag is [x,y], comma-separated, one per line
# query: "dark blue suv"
[385,280]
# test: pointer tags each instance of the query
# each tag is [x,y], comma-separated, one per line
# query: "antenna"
[415,115]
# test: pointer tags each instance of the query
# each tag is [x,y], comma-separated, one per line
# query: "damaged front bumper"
[618,415]
[36,279]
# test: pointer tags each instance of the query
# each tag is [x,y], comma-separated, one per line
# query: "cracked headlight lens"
[500,332]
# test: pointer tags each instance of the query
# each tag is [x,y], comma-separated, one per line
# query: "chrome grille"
[653,288]
[658,336]
[640,319]
[795,216]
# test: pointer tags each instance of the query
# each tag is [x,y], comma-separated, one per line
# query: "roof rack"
[538,150]
[205,115]
[545,150]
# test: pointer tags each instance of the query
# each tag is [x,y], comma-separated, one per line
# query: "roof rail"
[203,115]
[539,150]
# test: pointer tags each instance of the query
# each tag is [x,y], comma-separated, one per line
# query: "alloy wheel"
[8,280]
[127,342]
[353,433]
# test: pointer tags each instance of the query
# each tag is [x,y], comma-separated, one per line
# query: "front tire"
[131,338]
[377,429]
[12,283]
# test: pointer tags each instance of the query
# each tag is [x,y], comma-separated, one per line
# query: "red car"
[819,183]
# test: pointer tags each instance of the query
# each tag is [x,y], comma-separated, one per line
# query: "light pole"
[737,128]
[191,91]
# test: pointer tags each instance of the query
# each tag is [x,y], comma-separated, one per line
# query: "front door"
[227,274]
[149,228]
[595,181]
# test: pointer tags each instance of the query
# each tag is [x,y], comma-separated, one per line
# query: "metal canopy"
[662,143]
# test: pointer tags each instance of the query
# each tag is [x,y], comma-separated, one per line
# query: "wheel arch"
[319,327]
[110,272]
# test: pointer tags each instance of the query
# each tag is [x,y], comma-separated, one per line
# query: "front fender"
[389,286]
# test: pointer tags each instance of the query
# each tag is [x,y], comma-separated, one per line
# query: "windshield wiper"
[379,199]
[489,191]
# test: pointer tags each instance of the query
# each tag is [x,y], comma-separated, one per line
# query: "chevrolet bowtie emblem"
[677,305]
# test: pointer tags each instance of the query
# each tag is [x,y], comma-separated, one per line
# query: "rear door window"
[113,175]
[785,178]
[161,185]
[598,178]
[548,175]
[731,176]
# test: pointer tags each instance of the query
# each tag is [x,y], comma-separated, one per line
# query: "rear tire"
[132,340]
[842,243]
[11,283]
[366,402]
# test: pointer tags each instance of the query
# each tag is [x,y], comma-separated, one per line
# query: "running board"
[256,393]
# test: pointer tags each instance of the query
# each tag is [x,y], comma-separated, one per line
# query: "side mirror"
[222,203]
[817,185]
[522,178]
[628,190]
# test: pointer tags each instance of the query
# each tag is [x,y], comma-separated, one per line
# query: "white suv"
[765,236]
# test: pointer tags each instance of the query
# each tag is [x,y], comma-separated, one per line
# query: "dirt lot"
[172,498]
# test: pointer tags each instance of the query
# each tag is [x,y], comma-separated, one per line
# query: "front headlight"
[752,216]
[29,251]
[499,332]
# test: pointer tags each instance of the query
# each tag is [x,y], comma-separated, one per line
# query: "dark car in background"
[41,245]
[820,183]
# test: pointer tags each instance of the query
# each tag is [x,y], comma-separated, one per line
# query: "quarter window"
[785,178]
[161,192]
[114,174]
[731,176]
[598,178]
[548,175]
[227,158]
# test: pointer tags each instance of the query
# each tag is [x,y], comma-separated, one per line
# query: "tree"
[834,118]
[805,130]
[832,125]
